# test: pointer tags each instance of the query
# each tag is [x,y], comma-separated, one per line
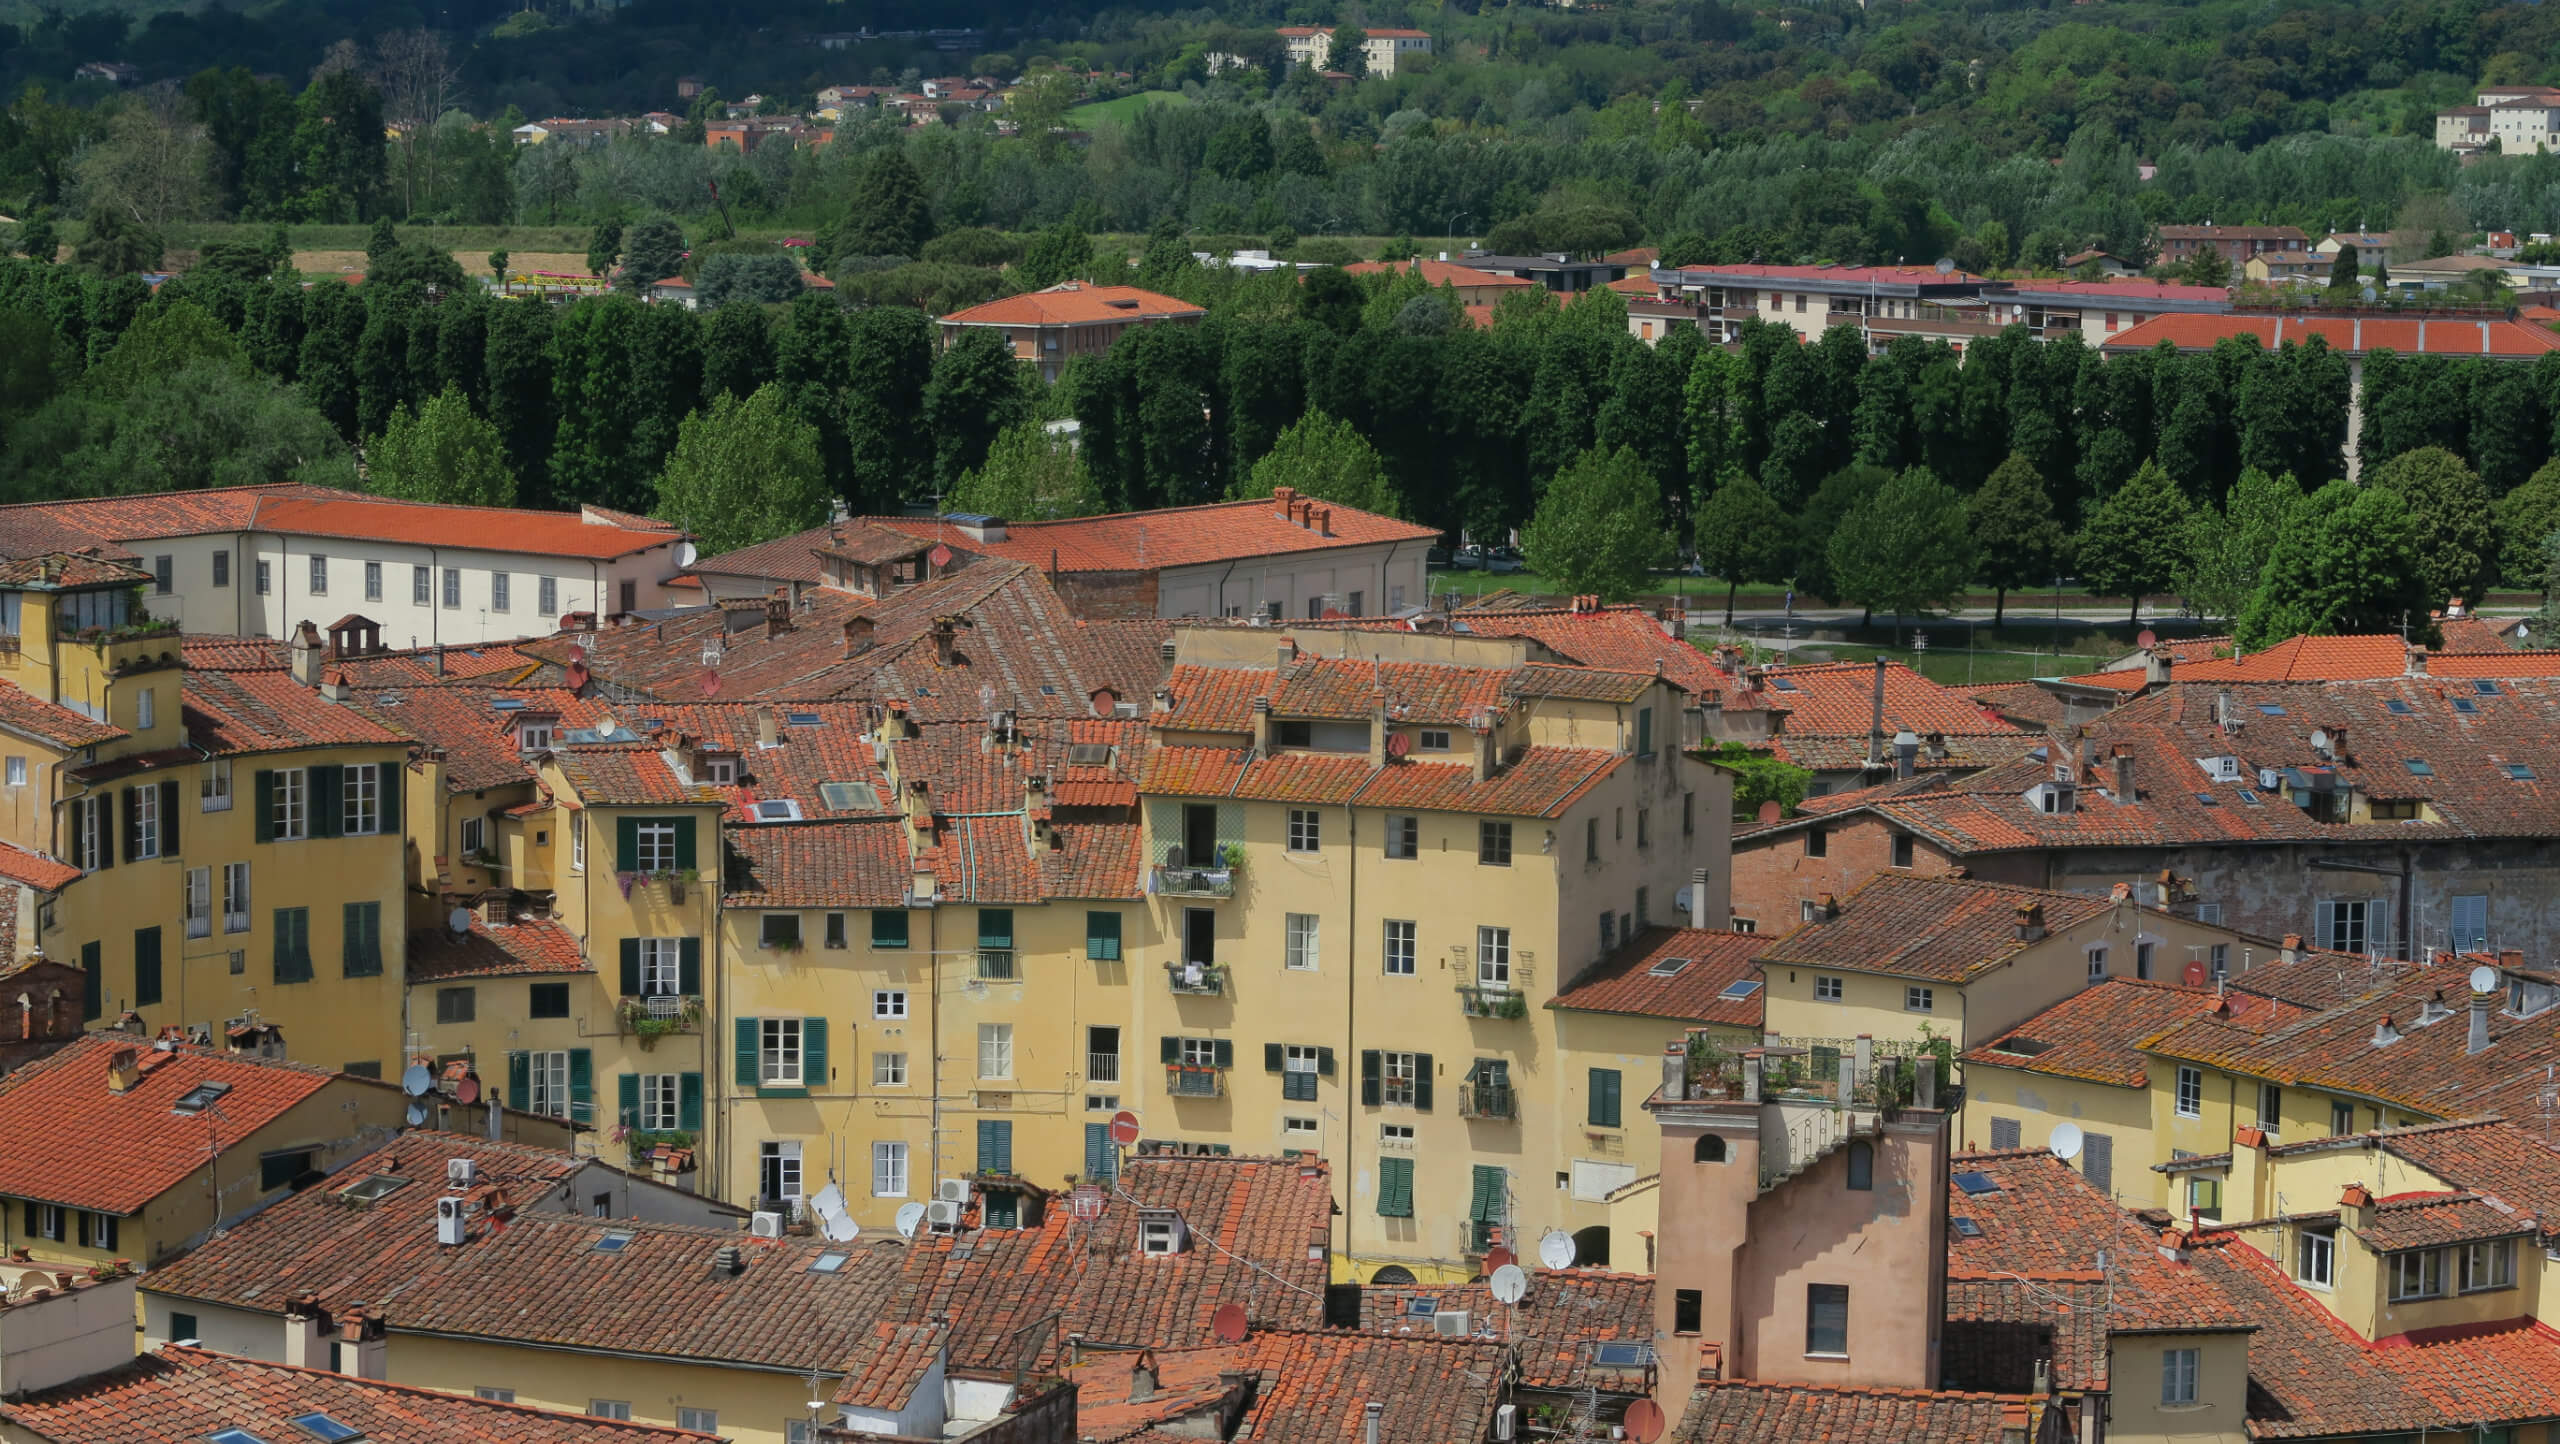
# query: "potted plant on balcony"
[1231,857]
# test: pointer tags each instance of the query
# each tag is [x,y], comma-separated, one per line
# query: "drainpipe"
[1351,1009]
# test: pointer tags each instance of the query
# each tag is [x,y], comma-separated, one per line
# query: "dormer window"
[720,771]
[533,735]
[1160,1231]
[777,809]
[2220,769]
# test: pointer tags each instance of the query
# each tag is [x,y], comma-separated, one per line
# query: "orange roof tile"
[1947,928]
[525,946]
[1682,974]
[35,869]
[841,864]
[2436,336]
[134,1146]
[1076,303]
[479,528]
[1438,273]
[27,714]
[2097,1033]
[1170,536]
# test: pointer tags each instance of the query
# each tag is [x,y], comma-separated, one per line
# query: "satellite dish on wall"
[1229,1323]
[2484,979]
[458,921]
[1510,1284]
[417,1114]
[1556,1251]
[1644,1421]
[2066,1141]
[1398,745]
[415,1079]
[909,1217]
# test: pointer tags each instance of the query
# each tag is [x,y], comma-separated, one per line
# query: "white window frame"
[290,813]
[1493,958]
[2189,1098]
[359,801]
[1827,988]
[661,1102]
[475,835]
[17,772]
[453,589]
[995,1050]
[888,1002]
[2178,1370]
[1395,1135]
[2098,964]
[578,842]
[888,1168]
[1917,999]
[1401,949]
[213,786]
[145,840]
[2423,1268]
[49,1222]
[422,586]
[546,593]
[661,967]
[146,709]
[618,1409]
[779,1054]
[2315,1246]
[502,591]
[547,1082]
[373,581]
[1306,830]
[235,897]
[888,1070]
[1197,1052]
[2497,1257]
[701,1421]
[1396,1074]
[655,844]
[1303,943]
[319,575]
[198,895]
[786,1155]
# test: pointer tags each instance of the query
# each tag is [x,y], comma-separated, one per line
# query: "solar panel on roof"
[1621,1355]
[1976,1183]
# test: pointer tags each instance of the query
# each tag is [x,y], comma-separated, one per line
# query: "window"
[799,1431]
[1817,843]
[658,1105]
[2470,930]
[92,839]
[213,786]
[142,821]
[1404,838]
[995,1050]
[2417,1275]
[1688,813]
[706,1421]
[2219,961]
[1644,827]
[453,588]
[222,569]
[1102,1055]
[1918,999]
[1861,1161]
[627,592]
[1687,1311]
[17,772]
[501,591]
[1826,989]
[199,902]
[661,966]
[835,930]
[888,927]
[2270,1107]
[319,576]
[2143,953]
[546,596]
[48,1221]
[995,943]
[360,940]
[2489,1265]
[2204,1198]
[1902,849]
[97,1230]
[1395,1188]
[288,815]
[1200,1052]
[1493,844]
[1395,1135]
[1826,1319]
[1303,1130]
[1493,958]
[1644,732]
[888,1002]
[293,945]
[781,930]
[1434,739]
[2177,1377]
[888,1070]
[654,846]
[1305,832]
[266,577]
[422,586]
[2342,1119]
[1591,839]
[1301,943]
[235,897]
[778,1053]
[360,801]
[548,1082]
[547,1000]
[1606,1098]
[2190,1093]
[609,1409]
[2315,1257]
[1398,1089]
[146,709]
[1399,950]
[1299,1066]
[2351,925]
[1102,936]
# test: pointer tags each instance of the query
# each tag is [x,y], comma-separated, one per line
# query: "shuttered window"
[1395,1188]
[1605,1094]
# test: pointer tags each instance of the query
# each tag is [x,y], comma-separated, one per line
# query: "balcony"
[1488,1100]
[1478,1002]
[1207,980]
[1196,881]
[1186,1080]
[1102,1067]
[658,1015]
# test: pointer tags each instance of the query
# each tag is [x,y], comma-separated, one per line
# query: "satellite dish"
[1124,1127]
[416,1080]
[1680,901]
[2194,974]
[1946,265]
[417,1114]
[1398,745]
[2319,739]
[685,553]
[708,682]
[1644,1421]
[2147,639]
[458,921]
[2484,979]
[1228,1323]
[840,1227]
[1770,811]
[940,556]
[1556,1250]
[909,1216]
[467,1091]
[2368,293]
[2066,1141]
[1510,1284]
[828,1201]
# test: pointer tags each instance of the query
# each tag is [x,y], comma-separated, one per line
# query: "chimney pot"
[2478,1041]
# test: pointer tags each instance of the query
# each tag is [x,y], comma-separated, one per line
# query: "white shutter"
[2325,930]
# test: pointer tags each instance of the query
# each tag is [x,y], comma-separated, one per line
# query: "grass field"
[1117,112]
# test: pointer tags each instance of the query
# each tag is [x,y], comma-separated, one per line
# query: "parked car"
[1467,559]
[1438,556]
[1505,559]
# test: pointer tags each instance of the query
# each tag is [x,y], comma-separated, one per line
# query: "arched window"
[1710,1148]
[1862,1166]
[1393,1275]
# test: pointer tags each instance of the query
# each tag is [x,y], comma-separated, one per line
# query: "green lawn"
[1117,112]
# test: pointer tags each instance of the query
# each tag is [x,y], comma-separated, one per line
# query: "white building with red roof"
[1071,318]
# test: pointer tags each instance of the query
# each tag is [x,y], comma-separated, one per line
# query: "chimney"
[2384,1035]
[1698,899]
[1937,744]
[1378,733]
[1675,1070]
[124,1070]
[2124,775]
[2417,666]
[2355,1207]
[306,653]
[1875,721]
[2479,1040]
[2291,952]
[946,639]
[777,612]
[2030,922]
[305,1346]
[768,728]
[1142,1377]
[1284,495]
[1924,1082]
[1482,744]
[2155,665]
[1369,1422]
[1324,521]
[2511,957]
[1826,906]
[857,635]
[1906,753]
[1262,730]
[1285,657]
[333,685]
[2222,713]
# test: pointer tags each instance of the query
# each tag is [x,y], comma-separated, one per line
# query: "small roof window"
[1631,1354]
[329,1431]
[777,809]
[507,704]
[1421,1308]
[2485,687]
[1088,754]
[615,1240]
[2249,797]
[1668,968]
[2208,799]
[1967,1228]
[373,1187]
[2271,709]
[1740,988]
[829,1262]
[200,1097]
[848,796]
[800,719]
[2418,767]
[2395,704]
[2465,706]
[2521,772]
[1973,1183]
[1783,684]
[234,1436]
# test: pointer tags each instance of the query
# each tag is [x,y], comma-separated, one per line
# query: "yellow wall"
[2136,1367]
[2038,1101]
[1632,1046]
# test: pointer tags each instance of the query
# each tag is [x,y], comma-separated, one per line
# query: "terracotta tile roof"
[889,1363]
[2438,337]
[29,528]
[2039,1219]
[1998,1328]
[1627,639]
[1436,274]
[1094,860]
[982,859]
[794,558]
[2464,635]
[1076,303]
[416,667]
[134,1146]
[2097,1033]
[34,869]
[819,743]
[1585,684]
[1540,782]
[526,946]
[478,528]
[1928,927]
[2022,704]
[1550,1331]
[631,776]
[1838,699]
[28,715]
[1813,1414]
[63,571]
[233,714]
[842,864]
[2433,1220]
[1682,974]
[1220,699]
[1187,1381]
[1842,275]
[181,1396]
[2490,1157]
[539,1279]
[968,771]
[1181,536]
[476,736]
[1313,1387]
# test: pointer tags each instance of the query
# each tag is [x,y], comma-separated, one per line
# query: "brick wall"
[1107,596]
[1771,875]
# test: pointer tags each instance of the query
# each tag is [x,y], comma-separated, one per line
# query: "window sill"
[2486,1289]
[2190,1408]
[1810,1354]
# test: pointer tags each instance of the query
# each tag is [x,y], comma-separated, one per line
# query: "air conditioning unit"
[952,1190]
[765,1225]
[1450,1323]
[460,1172]
[449,1219]
[942,1214]
[1506,1423]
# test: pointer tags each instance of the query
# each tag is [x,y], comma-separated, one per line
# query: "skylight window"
[1089,754]
[373,1188]
[615,1240]
[200,1097]
[2208,799]
[1782,684]
[2395,704]
[830,1262]
[1421,1308]
[2271,709]
[2249,797]
[1740,988]
[848,796]
[1976,1183]
[2485,687]
[2418,767]
[1967,1228]
[507,704]
[2465,706]
[777,809]
[2521,772]
[1048,691]
[234,1436]
[800,719]
[1668,968]
[325,1429]
[1628,1355]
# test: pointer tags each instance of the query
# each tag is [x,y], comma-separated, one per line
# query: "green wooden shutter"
[630,967]
[684,843]
[131,825]
[328,797]
[689,967]
[93,969]
[360,941]
[1102,935]
[1422,1081]
[1484,1204]
[1604,1098]
[746,1052]
[626,844]
[995,927]
[1644,731]
[582,1085]
[387,791]
[1273,1055]
[995,1145]
[520,1081]
[1372,1074]
[1223,1052]
[1395,1188]
[263,793]
[168,819]
[626,1099]
[1172,1048]
[888,927]
[1099,1155]
[813,1053]
[689,1102]
[1324,1062]
[146,967]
